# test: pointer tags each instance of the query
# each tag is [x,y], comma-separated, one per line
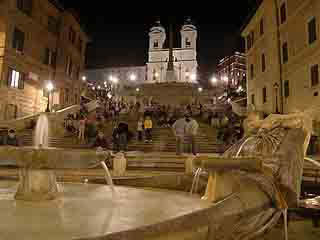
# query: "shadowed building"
[39,42]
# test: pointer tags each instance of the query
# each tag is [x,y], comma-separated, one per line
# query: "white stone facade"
[185,58]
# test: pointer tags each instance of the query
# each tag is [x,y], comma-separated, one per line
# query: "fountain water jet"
[41,137]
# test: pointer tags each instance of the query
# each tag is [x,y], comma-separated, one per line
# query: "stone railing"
[56,118]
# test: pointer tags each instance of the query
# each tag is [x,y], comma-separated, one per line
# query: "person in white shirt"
[140,128]
[191,131]
[179,132]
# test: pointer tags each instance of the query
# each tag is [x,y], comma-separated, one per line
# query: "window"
[78,73]
[15,79]
[80,43]
[155,44]
[72,35]
[285,55]
[50,58]
[18,40]
[252,38]
[188,43]
[312,30]
[264,95]
[252,99]
[69,67]
[283,13]
[263,63]
[314,75]
[25,6]
[249,42]
[67,95]
[286,89]
[251,71]
[261,27]
[53,25]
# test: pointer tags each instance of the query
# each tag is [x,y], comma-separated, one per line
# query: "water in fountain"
[195,183]
[42,132]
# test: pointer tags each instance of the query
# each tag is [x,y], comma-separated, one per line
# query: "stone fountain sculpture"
[270,157]
[37,164]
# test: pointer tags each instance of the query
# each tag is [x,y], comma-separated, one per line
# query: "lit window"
[15,79]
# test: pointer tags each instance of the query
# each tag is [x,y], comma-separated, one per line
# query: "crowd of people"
[90,127]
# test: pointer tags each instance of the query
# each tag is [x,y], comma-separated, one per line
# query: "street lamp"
[276,87]
[49,88]
[133,77]
[200,89]
[84,78]
[137,89]
[214,80]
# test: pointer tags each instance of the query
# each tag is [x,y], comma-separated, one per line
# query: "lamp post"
[49,88]
[276,87]
[214,82]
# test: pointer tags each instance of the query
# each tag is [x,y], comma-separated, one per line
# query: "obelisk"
[170,76]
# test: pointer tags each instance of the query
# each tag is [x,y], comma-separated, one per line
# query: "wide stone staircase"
[26,138]
[163,140]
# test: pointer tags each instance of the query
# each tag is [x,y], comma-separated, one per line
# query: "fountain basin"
[92,212]
[87,211]
[36,174]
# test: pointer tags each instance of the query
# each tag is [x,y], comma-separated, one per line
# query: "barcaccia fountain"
[248,189]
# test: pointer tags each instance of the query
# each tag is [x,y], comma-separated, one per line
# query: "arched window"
[156,44]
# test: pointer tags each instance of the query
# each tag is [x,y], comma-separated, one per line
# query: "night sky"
[121,40]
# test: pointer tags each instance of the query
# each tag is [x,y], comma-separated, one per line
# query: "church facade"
[184,58]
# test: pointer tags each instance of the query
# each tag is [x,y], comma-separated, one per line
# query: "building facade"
[283,54]
[40,42]
[185,58]
[232,69]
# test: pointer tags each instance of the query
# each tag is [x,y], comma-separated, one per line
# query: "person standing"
[148,129]
[91,131]
[140,128]
[192,130]
[179,131]
[115,138]
[100,141]
[82,126]
[123,130]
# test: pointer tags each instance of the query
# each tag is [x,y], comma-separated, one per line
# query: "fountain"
[245,195]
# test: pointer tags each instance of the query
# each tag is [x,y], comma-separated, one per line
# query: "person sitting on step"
[11,139]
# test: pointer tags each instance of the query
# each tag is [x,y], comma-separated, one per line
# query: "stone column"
[119,165]
[37,185]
